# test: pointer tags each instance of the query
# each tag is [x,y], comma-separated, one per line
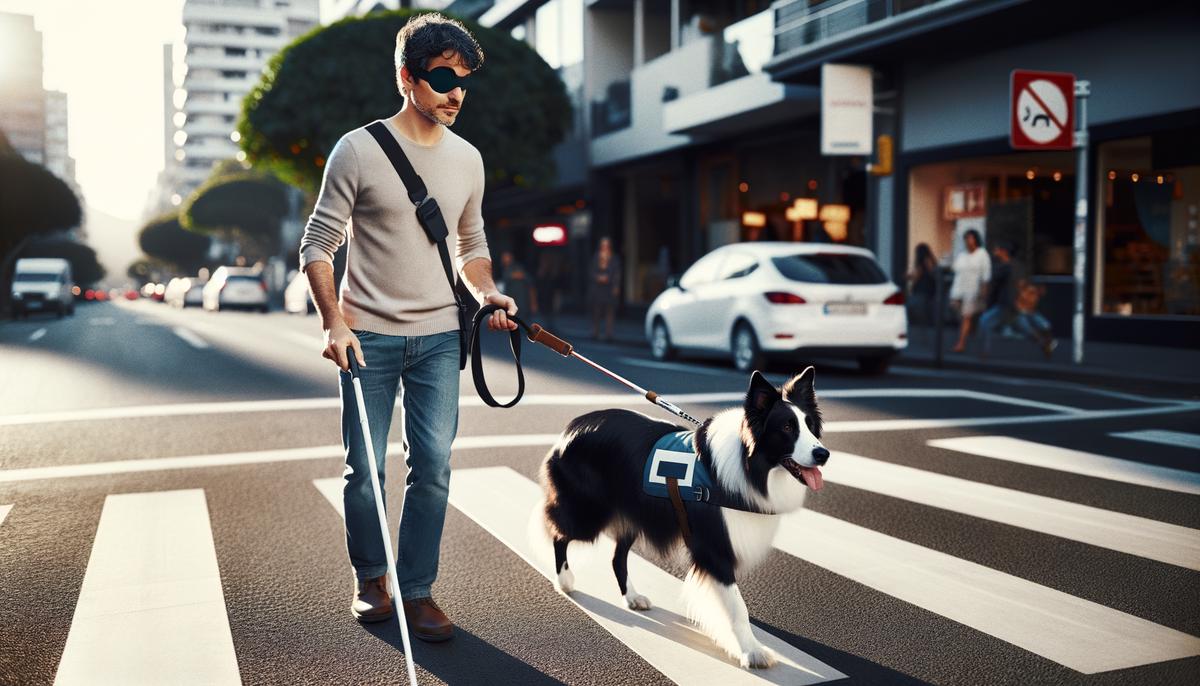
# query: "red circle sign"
[1042,110]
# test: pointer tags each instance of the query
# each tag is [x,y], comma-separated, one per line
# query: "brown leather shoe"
[426,620]
[372,603]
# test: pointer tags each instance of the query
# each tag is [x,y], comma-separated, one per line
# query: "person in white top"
[968,293]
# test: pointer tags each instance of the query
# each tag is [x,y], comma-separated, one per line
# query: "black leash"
[537,334]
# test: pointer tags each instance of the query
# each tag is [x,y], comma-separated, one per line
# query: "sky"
[107,56]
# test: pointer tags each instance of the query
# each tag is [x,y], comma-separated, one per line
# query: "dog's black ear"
[761,396]
[800,389]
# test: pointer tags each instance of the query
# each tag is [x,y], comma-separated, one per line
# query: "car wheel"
[747,355]
[874,365]
[660,341]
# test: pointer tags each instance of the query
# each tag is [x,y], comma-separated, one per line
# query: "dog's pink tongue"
[812,477]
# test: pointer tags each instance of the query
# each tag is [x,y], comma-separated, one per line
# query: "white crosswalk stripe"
[1176,438]
[1073,461]
[1170,543]
[151,609]
[4,510]
[1077,633]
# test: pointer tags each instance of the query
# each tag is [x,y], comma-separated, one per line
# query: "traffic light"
[884,166]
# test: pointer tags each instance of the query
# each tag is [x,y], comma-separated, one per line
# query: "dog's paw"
[637,601]
[760,657]
[566,581]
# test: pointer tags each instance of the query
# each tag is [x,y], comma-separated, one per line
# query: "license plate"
[846,308]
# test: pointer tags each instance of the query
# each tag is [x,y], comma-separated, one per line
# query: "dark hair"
[429,35]
[924,254]
[972,233]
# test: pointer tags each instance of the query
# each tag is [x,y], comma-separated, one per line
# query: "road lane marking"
[248,458]
[1074,461]
[1077,633]
[151,609]
[37,334]
[190,337]
[504,503]
[679,367]
[4,510]
[1125,533]
[1163,436]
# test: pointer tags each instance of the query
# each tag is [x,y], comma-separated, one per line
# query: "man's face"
[440,108]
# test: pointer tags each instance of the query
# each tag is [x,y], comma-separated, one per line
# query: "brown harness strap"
[680,513]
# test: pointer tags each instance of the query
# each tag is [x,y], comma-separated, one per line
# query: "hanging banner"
[847,104]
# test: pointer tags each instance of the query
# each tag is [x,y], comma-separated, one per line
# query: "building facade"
[22,100]
[943,84]
[227,44]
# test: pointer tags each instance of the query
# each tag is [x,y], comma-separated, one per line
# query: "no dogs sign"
[1042,105]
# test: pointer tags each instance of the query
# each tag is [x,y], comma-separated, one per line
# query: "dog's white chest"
[751,536]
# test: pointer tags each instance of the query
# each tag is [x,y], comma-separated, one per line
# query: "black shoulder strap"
[391,147]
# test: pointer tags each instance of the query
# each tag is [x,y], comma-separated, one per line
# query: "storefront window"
[1149,247]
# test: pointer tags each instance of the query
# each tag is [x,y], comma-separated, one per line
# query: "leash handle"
[537,334]
[476,355]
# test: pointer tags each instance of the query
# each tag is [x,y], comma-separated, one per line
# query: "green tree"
[33,201]
[166,241]
[247,207]
[342,76]
[84,266]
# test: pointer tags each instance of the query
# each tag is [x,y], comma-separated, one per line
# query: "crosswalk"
[152,607]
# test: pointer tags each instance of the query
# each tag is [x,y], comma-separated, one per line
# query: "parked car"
[42,284]
[236,288]
[754,301]
[297,298]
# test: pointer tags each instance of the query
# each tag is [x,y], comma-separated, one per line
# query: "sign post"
[1044,110]
[1082,91]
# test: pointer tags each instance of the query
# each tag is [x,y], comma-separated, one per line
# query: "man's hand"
[499,319]
[337,339]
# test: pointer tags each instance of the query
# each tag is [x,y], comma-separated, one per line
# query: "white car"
[296,297]
[236,288]
[184,292]
[751,301]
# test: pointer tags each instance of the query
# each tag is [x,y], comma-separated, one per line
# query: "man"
[397,311]
[1001,297]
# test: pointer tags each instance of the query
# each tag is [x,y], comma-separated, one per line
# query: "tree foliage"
[32,201]
[247,207]
[165,240]
[86,269]
[343,76]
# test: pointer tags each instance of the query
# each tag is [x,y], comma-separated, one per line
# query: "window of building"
[558,32]
[233,74]
[235,52]
[1148,225]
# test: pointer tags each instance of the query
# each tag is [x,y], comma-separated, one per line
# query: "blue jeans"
[424,370]
[1032,325]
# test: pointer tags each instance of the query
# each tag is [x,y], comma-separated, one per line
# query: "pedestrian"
[972,271]
[518,282]
[1029,321]
[397,310]
[604,288]
[552,277]
[1001,306]
[922,287]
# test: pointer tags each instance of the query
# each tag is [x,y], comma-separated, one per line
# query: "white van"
[42,284]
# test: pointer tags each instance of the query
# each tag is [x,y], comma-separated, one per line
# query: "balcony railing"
[799,23]
[615,111]
[743,48]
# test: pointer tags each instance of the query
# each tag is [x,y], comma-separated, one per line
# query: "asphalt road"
[1031,543]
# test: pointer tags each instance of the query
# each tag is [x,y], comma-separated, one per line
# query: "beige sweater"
[394,282]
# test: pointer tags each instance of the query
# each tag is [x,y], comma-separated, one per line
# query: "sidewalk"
[1173,369]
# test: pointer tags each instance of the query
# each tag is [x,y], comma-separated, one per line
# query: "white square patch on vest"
[668,458]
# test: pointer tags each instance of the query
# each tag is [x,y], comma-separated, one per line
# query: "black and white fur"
[592,481]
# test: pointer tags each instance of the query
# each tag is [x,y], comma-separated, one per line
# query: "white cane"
[398,602]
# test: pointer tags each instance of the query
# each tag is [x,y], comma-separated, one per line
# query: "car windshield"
[33,276]
[250,279]
[839,268]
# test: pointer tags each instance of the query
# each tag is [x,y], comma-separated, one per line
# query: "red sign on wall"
[1042,110]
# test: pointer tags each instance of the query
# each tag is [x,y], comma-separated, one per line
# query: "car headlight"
[17,296]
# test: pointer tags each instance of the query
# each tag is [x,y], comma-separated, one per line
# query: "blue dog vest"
[674,455]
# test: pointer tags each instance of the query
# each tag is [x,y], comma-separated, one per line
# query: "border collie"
[765,454]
